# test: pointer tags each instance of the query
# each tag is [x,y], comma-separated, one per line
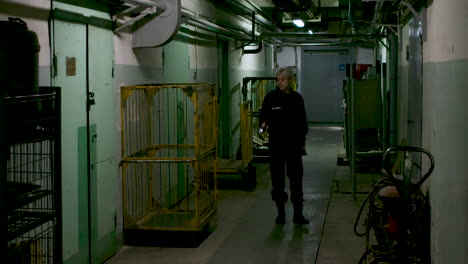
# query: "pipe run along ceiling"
[331,18]
[326,21]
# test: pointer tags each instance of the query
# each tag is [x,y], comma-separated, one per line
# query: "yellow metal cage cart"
[169,134]
[254,89]
[244,166]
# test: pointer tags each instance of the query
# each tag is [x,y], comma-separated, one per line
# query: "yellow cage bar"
[169,135]
[244,166]
[256,89]
[246,132]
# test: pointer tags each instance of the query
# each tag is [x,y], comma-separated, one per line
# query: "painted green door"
[69,47]
[88,224]
[105,167]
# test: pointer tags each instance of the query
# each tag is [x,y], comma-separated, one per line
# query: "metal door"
[104,167]
[69,50]
[84,59]
[322,86]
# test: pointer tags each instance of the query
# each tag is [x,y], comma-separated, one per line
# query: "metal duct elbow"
[253,51]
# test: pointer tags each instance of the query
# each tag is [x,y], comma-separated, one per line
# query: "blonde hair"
[288,73]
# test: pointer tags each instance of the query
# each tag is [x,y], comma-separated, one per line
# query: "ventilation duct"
[162,28]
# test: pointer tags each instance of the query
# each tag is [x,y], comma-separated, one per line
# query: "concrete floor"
[244,230]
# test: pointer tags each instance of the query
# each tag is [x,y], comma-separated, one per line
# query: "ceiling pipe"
[390,27]
[186,18]
[162,5]
[146,3]
[254,6]
[206,25]
[378,16]
[237,5]
[122,24]
[267,35]
[344,44]
[377,12]
[150,8]
[253,26]
[412,10]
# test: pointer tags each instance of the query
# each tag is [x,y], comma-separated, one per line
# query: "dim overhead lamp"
[298,23]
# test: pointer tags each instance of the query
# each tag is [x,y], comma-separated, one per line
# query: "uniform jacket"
[286,117]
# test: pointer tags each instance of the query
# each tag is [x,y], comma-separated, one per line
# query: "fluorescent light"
[298,22]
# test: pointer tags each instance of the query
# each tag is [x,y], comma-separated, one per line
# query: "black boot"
[298,217]
[281,217]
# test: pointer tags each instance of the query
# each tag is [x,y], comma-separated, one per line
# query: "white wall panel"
[445,128]
[445,40]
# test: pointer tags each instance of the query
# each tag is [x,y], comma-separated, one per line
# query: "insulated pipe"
[197,22]
[265,35]
[393,89]
[377,12]
[253,26]
[245,9]
[412,10]
[121,24]
[146,3]
[268,35]
[322,44]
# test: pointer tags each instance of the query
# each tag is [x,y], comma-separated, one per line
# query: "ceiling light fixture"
[298,23]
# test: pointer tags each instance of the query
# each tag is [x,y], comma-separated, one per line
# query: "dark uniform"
[286,117]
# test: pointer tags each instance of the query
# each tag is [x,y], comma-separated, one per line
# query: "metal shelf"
[23,222]
[28,199]
[30,182]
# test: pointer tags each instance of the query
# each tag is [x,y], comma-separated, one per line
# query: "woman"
[283,116]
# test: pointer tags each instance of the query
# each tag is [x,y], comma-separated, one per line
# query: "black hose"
[364,256]
[377,187]
[414,207]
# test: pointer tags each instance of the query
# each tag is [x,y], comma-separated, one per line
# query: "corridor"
[243,227]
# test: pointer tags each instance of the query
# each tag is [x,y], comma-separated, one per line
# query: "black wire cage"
[30,182]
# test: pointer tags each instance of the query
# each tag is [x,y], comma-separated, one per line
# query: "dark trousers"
[282,163]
